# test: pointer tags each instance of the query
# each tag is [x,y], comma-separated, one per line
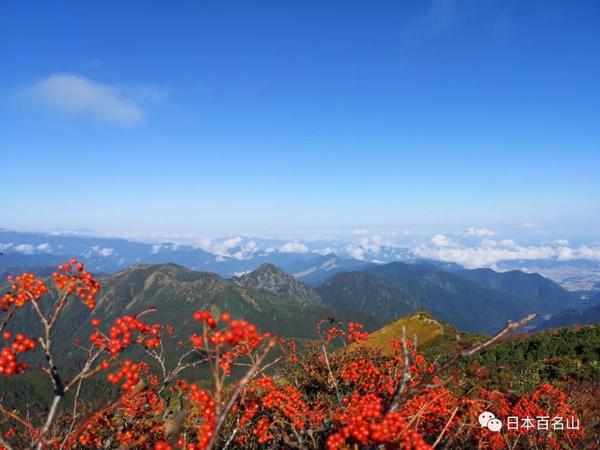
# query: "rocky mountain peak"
[271,279]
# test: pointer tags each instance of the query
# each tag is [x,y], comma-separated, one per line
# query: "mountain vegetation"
[396,289]
[583,316]
[541,293]
[139,365]
[566,354]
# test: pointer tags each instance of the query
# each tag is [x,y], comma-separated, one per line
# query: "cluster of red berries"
[130,372]
[239,335]
[205,316]
[364,421]
[122,332]
[365,375]
[353,333]
[24,288]
[277,406]
[356,333]
[204,408]
[8,355]
[286,399]
[333,332]
[262,430]
[73,278]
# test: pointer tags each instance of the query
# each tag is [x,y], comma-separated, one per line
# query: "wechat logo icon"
[488,420]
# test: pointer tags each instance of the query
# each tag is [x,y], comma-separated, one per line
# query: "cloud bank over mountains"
[471,248]
[489,252]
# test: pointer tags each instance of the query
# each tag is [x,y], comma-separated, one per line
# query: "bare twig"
[333,380]
[439,438]
[405,378]
[239,389]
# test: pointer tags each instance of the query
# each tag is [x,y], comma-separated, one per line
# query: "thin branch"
[25,423]
[241,385]
[333,380]
[439,438]
[405,379]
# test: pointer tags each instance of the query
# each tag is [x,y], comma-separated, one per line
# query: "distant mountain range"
[292,284]
[274,301]
[581,316]
[471,301]
[38,251]
[312,262]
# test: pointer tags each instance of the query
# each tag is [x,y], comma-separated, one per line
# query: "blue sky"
[288,117]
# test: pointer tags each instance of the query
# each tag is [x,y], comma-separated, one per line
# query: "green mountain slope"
[176,292]
[584,316]
[365,292]
[395,289]
[544,294]
[526,361]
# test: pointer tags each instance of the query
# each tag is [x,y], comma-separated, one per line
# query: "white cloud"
[355,252]
[360,231]
[26,249]
[472,231]
[5,246]
[75,94]
[586,252]
[293,247]
[490,252]
[156,248]
[246,251]
[242,273]
[233,247]
[220,247]
[366,247]
[326,251]
[562,242]
[441,240]
[565,254]
[105,251]
[45,247]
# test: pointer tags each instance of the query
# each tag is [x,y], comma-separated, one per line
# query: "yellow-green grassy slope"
[431,335]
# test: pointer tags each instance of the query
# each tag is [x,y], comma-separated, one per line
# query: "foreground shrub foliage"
[263,393]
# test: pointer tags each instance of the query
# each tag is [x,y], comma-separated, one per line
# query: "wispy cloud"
[103,251]
[81,96]
[473,231]
[441,240]
[293,247]
[491,252]
[233,247]
[366,247]
[26,249]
